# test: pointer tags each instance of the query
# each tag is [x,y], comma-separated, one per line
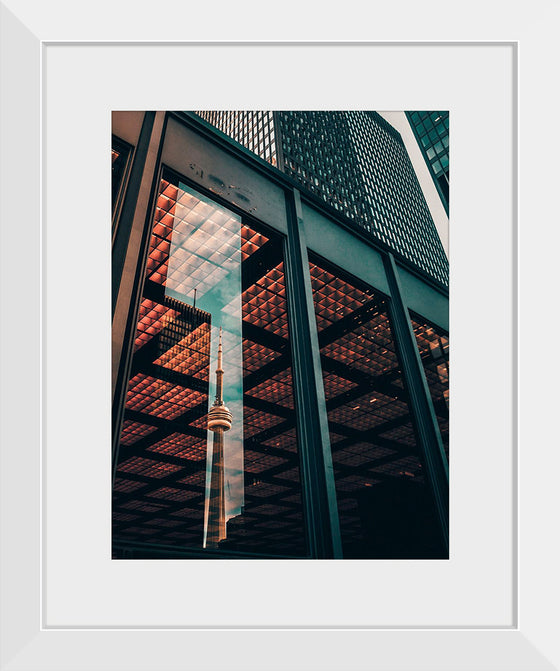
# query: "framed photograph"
[75,596]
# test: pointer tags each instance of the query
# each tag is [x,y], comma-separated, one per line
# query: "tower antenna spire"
[219,374]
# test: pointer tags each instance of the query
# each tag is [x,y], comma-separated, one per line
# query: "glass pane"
[208,455]
[433,344]
[384,505]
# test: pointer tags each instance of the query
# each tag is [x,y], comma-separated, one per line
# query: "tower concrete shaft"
[216,531]
[219,421]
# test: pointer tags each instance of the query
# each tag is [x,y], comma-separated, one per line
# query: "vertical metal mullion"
[319,493]
[126,309]
[435,462]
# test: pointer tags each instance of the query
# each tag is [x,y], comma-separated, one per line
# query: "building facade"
[357,163]
[327,333]
[431,130]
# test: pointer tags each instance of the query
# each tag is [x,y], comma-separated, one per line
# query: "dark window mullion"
[319,493]
[421,406]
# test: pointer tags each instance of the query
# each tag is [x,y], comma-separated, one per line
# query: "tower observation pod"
[219,421]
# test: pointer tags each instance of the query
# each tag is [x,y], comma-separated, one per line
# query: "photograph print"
[280,335]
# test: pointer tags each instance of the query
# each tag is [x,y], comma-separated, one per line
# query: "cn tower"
[219,420]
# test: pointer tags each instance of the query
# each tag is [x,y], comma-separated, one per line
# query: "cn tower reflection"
[219,421]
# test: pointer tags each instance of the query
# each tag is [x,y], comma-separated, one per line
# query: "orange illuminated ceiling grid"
[368,411]
[274,281]
[133,431]
[403,434]
[162,399]
[152,317]
[255,421]
[123,485]
[264,304]
[148,467]
[190,356]
[285,441]
[276,390]
[256,462]
[181,445]
[333,297]
[361,349]
[335,385]
[255,356]
[351,459]
[195,478]
[200,421]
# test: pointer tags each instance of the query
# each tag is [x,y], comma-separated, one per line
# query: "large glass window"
[208,454]
[384,504]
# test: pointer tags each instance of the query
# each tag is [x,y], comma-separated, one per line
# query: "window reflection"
[384,507]
[433,344]
[212,333]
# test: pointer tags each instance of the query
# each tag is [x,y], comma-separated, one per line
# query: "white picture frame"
[34,634]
